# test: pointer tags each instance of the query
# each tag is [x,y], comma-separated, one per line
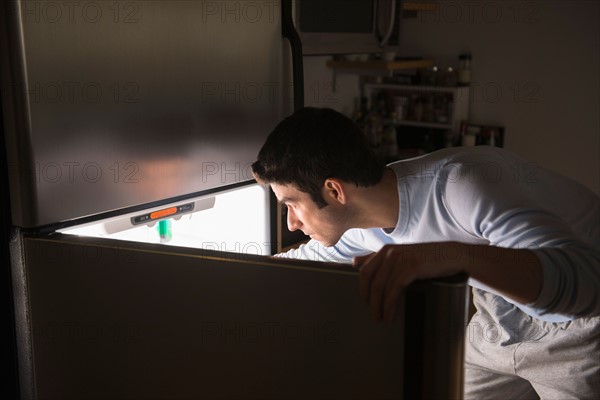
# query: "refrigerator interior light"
[234,220]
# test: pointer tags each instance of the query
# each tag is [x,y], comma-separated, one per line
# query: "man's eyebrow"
[284,200]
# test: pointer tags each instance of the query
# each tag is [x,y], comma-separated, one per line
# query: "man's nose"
[292,221]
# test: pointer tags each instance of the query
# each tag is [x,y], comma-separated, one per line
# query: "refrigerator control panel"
[167,212]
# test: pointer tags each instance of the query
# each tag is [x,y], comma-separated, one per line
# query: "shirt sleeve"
[505,212]
[350,245]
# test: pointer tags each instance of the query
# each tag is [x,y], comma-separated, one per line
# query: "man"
[528,238]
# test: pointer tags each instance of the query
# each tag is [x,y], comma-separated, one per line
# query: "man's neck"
[378,206]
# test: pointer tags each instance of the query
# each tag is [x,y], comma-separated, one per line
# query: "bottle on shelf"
[441,109]
[464,70]
[490,136]
[401,107]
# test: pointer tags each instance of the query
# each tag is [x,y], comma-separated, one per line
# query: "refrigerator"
[140,246]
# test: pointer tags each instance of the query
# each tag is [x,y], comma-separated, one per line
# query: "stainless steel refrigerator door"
[114,104]
[109,319]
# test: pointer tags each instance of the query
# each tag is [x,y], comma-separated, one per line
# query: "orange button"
[163,213]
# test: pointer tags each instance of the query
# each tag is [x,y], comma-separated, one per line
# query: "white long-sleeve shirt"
[487,195]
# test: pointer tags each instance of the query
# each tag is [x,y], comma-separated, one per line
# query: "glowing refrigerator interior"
[232,220]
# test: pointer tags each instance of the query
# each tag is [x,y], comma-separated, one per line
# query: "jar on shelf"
[464,69]
[401,107]
[470,136]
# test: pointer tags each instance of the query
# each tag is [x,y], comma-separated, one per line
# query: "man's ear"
[334,191]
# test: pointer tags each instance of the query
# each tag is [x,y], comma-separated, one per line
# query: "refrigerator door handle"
[290,33]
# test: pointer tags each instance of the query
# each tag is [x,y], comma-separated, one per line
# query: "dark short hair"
[312,145]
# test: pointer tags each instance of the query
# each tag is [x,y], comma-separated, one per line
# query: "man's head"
[308,159]
[314,144]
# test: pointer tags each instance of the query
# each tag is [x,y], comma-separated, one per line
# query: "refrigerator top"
[140,103]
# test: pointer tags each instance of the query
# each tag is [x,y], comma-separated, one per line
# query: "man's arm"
[534,259]
[514,273]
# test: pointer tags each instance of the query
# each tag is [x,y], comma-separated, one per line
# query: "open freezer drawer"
[104,319]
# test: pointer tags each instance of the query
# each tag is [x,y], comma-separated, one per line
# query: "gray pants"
[510,355]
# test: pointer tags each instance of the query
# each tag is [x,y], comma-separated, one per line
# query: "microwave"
[347,26]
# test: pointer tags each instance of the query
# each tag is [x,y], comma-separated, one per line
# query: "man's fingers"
[358,261]
[385,274]
[383,279]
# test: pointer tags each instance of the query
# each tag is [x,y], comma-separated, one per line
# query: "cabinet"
[427,117]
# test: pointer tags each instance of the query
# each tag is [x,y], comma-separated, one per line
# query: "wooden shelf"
[419,124]
[416,88]
[376,65]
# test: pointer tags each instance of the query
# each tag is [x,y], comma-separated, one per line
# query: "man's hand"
[384,275]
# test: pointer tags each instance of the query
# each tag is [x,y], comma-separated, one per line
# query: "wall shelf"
[417,88]
[453,103]
[374,66]
[418,124]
